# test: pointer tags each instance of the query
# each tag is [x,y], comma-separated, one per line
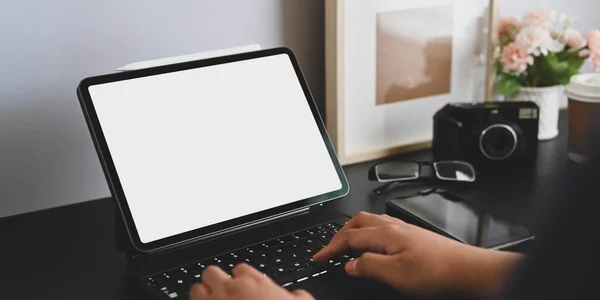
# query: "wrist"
[483,272]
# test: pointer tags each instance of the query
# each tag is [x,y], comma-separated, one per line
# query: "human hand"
[246,283]
[418,261]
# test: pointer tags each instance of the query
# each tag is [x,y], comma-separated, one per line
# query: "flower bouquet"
[542,50]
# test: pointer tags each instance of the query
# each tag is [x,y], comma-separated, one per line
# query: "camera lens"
[498,142]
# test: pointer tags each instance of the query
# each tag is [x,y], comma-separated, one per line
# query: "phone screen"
[462,220]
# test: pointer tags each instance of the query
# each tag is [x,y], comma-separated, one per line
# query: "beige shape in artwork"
[414,54]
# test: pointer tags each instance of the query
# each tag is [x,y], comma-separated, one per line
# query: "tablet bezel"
[212,230]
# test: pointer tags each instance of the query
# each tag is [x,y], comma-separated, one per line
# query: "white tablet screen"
[198,147]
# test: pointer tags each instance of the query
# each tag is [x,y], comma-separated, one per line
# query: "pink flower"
[593,38]
[540,17]
[536,41]
[514,59]
[574,39]
[585,53]
[508,24]
[595,58]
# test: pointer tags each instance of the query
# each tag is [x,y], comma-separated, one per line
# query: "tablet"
[198,149]
[457,218]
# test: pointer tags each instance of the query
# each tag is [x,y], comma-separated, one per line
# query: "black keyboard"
[286,260]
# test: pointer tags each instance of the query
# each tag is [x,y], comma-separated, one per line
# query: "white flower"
[540,17]
[574,39]
[537,41]
[566,20]
[556,46]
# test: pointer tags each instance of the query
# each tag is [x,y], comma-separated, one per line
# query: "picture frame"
[370,114]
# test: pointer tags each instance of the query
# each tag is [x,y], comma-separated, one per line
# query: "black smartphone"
[457,218]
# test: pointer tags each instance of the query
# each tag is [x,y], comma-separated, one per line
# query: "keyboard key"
[286,239]
[310,241]
[271,244]
[275,261]
[325,237]
[152,281]
[183,284]
[345,258]
[227,267]
[215,261]
[318,246]
[291,256]
[168,277]
[281,270]
[234,256]
[278,251]
[298,265]
[308,251]
[251,252]
[300,235]
[333,228]
[163,289]
[231,259]
[335,262]
[261,266]
[323,229]
[296,275]
[196,268]
[263,255]
[295,244]
[335,225]
[309,261]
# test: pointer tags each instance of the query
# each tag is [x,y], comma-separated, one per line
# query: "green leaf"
[508,84]
[575,61]
[553,69]
[555,64]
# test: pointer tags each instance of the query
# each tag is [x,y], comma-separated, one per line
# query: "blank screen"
[198,147]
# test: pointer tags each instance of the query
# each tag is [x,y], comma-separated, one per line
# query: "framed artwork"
[392,64]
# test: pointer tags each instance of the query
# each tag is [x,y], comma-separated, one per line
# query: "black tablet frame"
[199,234]
[497,244]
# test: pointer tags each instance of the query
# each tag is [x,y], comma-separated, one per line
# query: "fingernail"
[352,266]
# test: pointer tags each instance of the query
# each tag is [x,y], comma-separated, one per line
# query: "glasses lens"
[455,171]
[397,171]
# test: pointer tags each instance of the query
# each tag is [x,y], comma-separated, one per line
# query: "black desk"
[69,253]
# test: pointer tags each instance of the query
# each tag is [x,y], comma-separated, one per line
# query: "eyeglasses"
[403,171]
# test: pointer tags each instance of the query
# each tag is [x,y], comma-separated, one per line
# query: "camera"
[501,133]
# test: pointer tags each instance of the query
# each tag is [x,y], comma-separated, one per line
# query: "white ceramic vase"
[548,99]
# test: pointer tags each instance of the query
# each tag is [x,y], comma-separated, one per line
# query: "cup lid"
[585,85]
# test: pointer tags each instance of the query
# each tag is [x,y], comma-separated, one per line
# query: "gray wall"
[46,156]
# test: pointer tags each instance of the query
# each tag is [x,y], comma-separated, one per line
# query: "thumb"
[377,266]
[302,294]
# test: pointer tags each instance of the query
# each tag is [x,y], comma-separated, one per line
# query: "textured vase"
[548,99]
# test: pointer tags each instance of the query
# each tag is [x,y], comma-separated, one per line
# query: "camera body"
[499,133]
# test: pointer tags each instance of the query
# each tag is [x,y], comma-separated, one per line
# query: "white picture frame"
[361,124]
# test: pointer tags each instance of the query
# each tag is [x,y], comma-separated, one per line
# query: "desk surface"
[69,253]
